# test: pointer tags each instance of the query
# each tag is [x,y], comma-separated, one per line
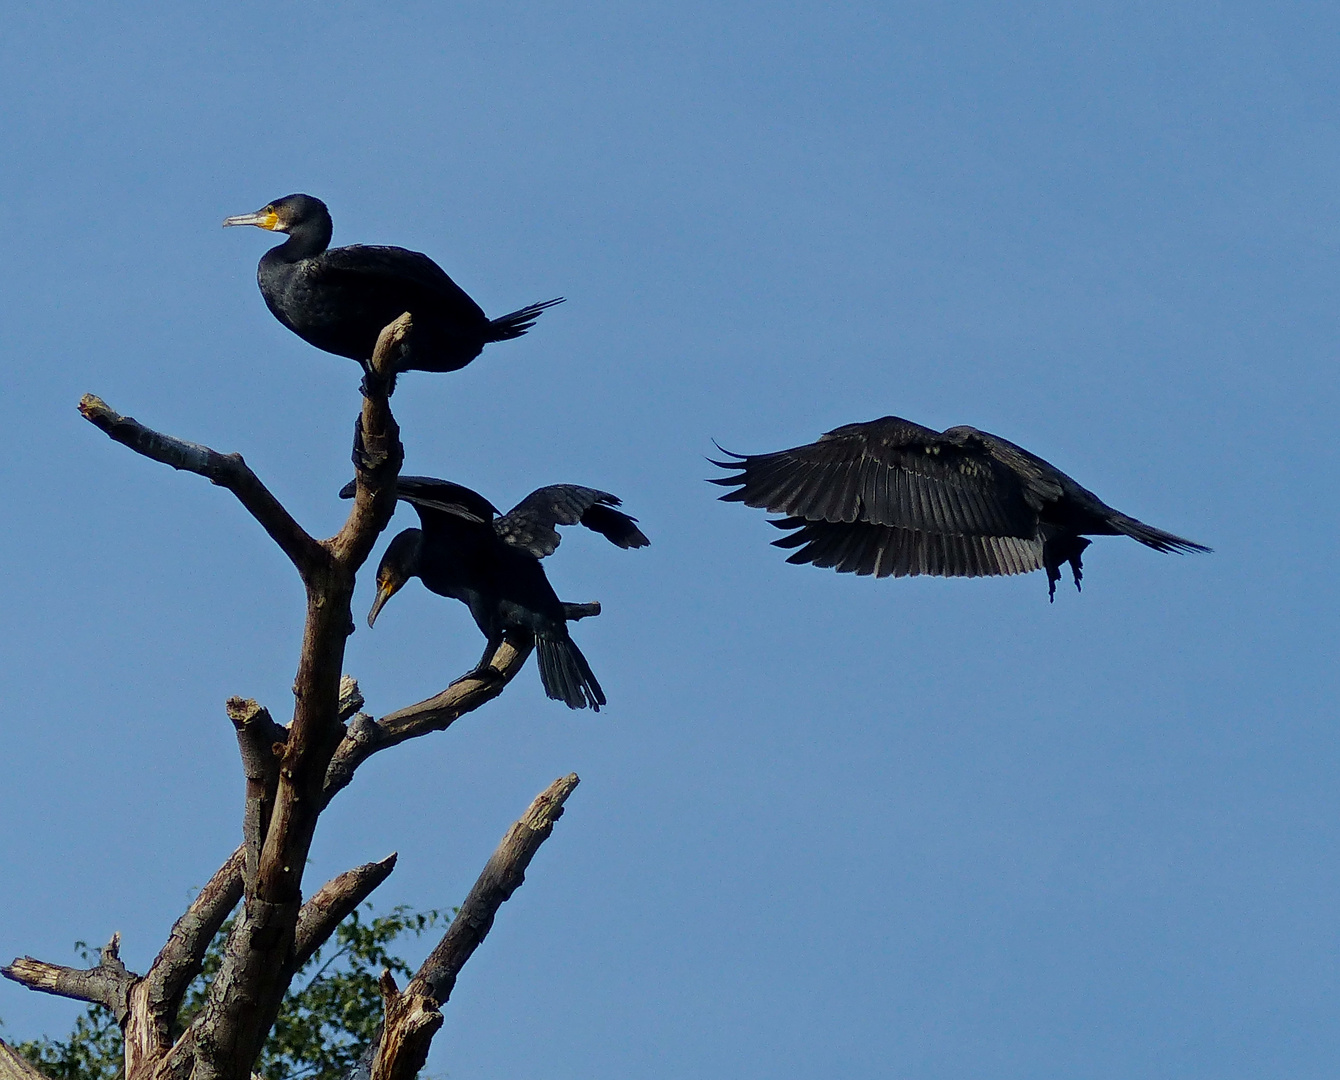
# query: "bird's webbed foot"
[573,612]
[1059,550]
[1053,576]
[1077,566]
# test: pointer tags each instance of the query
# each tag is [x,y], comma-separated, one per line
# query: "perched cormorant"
[491,563]
[338,299]
[893,497]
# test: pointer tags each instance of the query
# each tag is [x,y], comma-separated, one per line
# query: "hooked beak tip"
[383,595]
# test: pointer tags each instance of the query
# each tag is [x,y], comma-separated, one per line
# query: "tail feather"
[1152,537]
[516,323]
[566,675]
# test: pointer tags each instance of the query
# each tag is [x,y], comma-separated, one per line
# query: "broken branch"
[413,1016]
[106,983]
[332,903]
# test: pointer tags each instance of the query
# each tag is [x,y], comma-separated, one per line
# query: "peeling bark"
[331,904]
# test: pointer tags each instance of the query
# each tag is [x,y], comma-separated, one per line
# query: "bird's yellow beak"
[385,591]
[262,219]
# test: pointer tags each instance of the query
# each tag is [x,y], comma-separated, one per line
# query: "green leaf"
[329,1015]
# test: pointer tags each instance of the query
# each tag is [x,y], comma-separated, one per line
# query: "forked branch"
[315,730]
[292,772]
[107,983]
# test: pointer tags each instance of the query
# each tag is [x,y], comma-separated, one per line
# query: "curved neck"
[414,559]
[305,239]
[405,553]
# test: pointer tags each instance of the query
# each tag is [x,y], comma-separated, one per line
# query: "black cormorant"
[893,497]
[338,299]
[491,563]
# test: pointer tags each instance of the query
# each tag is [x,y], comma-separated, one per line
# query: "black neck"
[305,239]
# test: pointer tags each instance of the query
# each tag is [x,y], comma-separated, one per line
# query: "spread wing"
[892,473]
[395,275]
[1085,512]
[884,551]
[431,497]
[438,496]
[530,525]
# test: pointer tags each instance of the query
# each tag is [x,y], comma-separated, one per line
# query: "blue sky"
[827,826]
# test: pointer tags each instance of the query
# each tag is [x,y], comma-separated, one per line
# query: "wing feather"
[885,551]
[530,525]
[407,277]
[887,472]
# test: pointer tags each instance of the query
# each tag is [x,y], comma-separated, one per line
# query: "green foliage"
[328,1018]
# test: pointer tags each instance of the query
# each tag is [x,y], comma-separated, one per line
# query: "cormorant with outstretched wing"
[490,562]
[890,497]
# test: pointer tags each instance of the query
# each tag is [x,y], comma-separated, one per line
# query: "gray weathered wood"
[412,1016]
[291,773]
[366,737]
[14,1066]
[106,983]
[331,904]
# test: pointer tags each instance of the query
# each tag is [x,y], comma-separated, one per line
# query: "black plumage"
[338,299]
[890,497]
[491,563]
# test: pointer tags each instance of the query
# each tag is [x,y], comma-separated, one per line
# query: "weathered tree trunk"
[292,772]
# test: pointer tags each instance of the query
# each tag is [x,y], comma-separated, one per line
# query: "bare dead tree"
[292,772]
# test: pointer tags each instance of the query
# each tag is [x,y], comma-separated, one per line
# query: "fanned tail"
[516,323]
[566,675]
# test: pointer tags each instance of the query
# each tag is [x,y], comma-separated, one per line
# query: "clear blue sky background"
[828,827]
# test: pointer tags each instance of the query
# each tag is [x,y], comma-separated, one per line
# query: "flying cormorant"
[491,563]
[890,497]
[338,299]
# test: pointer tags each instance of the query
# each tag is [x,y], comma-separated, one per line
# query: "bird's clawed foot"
[484,670]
